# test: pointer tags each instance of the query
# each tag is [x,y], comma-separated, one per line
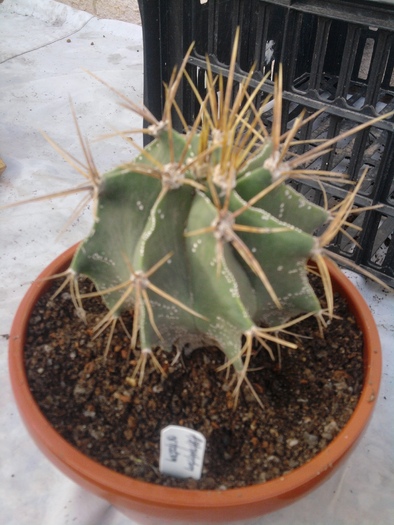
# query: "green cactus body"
[205,291]
[123,208]
[283,256]
[164,235]
[282,202]
[200,241]
[219,291]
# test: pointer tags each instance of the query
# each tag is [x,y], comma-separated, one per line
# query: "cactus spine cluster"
[200,238]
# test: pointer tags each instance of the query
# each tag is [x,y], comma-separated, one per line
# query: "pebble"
[311,439]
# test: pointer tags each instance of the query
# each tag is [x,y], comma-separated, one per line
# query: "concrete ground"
[126,10]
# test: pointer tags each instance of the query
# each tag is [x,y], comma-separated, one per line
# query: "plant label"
[181,452]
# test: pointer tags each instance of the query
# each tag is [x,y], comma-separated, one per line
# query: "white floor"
[44,49]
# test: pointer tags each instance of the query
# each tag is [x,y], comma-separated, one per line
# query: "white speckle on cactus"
[140,206]
[165,310]
[195,245]
[227,275]
[317,249]
[234,291]
[279,268]
[288,194]
[254,250]
[221,327]
[102,258]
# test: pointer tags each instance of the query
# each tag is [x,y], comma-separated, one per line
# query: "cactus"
[200,237]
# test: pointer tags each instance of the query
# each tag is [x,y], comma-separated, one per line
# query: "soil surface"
[308,395]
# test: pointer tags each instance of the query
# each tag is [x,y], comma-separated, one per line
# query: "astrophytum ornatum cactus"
[200,238]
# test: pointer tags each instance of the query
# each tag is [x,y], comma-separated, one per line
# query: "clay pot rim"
[123,487]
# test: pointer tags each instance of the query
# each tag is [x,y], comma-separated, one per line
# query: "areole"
[153,505]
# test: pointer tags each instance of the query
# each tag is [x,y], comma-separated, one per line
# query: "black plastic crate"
[336,55]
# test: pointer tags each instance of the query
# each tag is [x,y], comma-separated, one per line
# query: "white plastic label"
[181,452]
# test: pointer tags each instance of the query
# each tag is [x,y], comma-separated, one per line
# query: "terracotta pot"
[160,505]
